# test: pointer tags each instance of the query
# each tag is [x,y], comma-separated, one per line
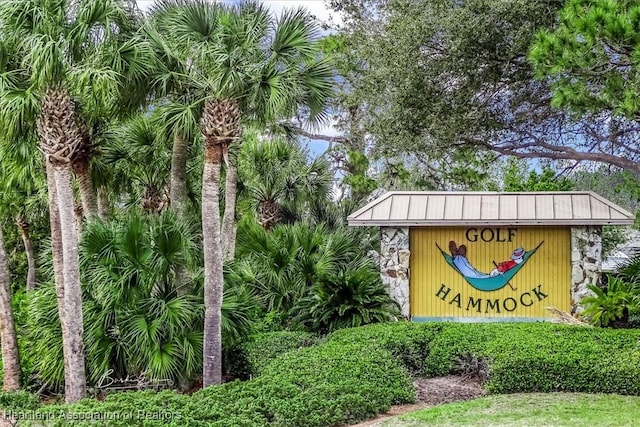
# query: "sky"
[316,8]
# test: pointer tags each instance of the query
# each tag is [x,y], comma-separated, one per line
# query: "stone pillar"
[394,265]
[586,263]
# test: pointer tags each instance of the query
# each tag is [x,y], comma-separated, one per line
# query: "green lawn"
[554,409]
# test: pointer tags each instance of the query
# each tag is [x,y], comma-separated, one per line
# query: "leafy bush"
[542,357]
[353,297]
[566,359]
[119,409]
[45,336]
[324,385]
[631,270]
[408,343]
[360,372]
[514,357]
[136,323]
[255,354]
[18,401]
[459,340]
[610,307]
[309,277]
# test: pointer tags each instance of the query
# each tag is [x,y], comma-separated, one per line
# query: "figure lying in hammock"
[459,255]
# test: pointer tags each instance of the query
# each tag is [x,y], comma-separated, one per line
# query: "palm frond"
[19,109]
[295,34]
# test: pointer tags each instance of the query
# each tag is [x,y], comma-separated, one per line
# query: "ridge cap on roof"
[454,192]
[588,219]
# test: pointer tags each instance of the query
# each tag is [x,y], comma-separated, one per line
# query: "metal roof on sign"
[420,208]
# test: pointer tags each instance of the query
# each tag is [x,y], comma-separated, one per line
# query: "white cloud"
[315,7]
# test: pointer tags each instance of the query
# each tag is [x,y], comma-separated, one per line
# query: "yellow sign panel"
[487,271]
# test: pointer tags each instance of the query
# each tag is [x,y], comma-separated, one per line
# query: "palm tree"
[75,62]
[310,276]
[8,340]
[246,68]
[280,184]
[178,109]
[21,197]
[57,111]
[134,318]
[137,156]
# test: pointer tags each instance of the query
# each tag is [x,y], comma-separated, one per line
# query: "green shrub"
[360,372]
[566,358]
[364,367]
[544,357]
[134,320]
[142,408]
[325,385]
[610,307]
[251,357]
[408,342]
[455,341]
[352,297]
[18,401]
[309,276]
[631,270]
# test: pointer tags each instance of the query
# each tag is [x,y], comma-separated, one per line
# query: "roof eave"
[462,223]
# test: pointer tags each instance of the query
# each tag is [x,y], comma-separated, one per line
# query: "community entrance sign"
[487,256]
[512,277]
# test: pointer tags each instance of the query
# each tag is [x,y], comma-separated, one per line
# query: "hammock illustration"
[485,282]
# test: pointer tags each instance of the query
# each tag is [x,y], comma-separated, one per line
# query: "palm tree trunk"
[178,192]
[232,240]
[85,185]
[228,221]
[178,197]
[75,380]
[78,211]
[8,340]
[23,226]
[103,203]
[56,249]
[56,242]
[213,279]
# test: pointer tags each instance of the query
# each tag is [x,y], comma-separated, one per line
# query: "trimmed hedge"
[251,357]
[360,372]
[325,385]
[544,357]
[142,408]
[11,401]
[409,343]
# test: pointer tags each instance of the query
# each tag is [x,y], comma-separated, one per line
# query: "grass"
[536,409]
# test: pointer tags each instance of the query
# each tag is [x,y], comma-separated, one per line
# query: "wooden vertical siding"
[547,272]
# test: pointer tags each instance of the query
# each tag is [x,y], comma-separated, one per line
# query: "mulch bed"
[434,391]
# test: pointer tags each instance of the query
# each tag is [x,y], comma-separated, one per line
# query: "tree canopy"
[591,61]
[430,78]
